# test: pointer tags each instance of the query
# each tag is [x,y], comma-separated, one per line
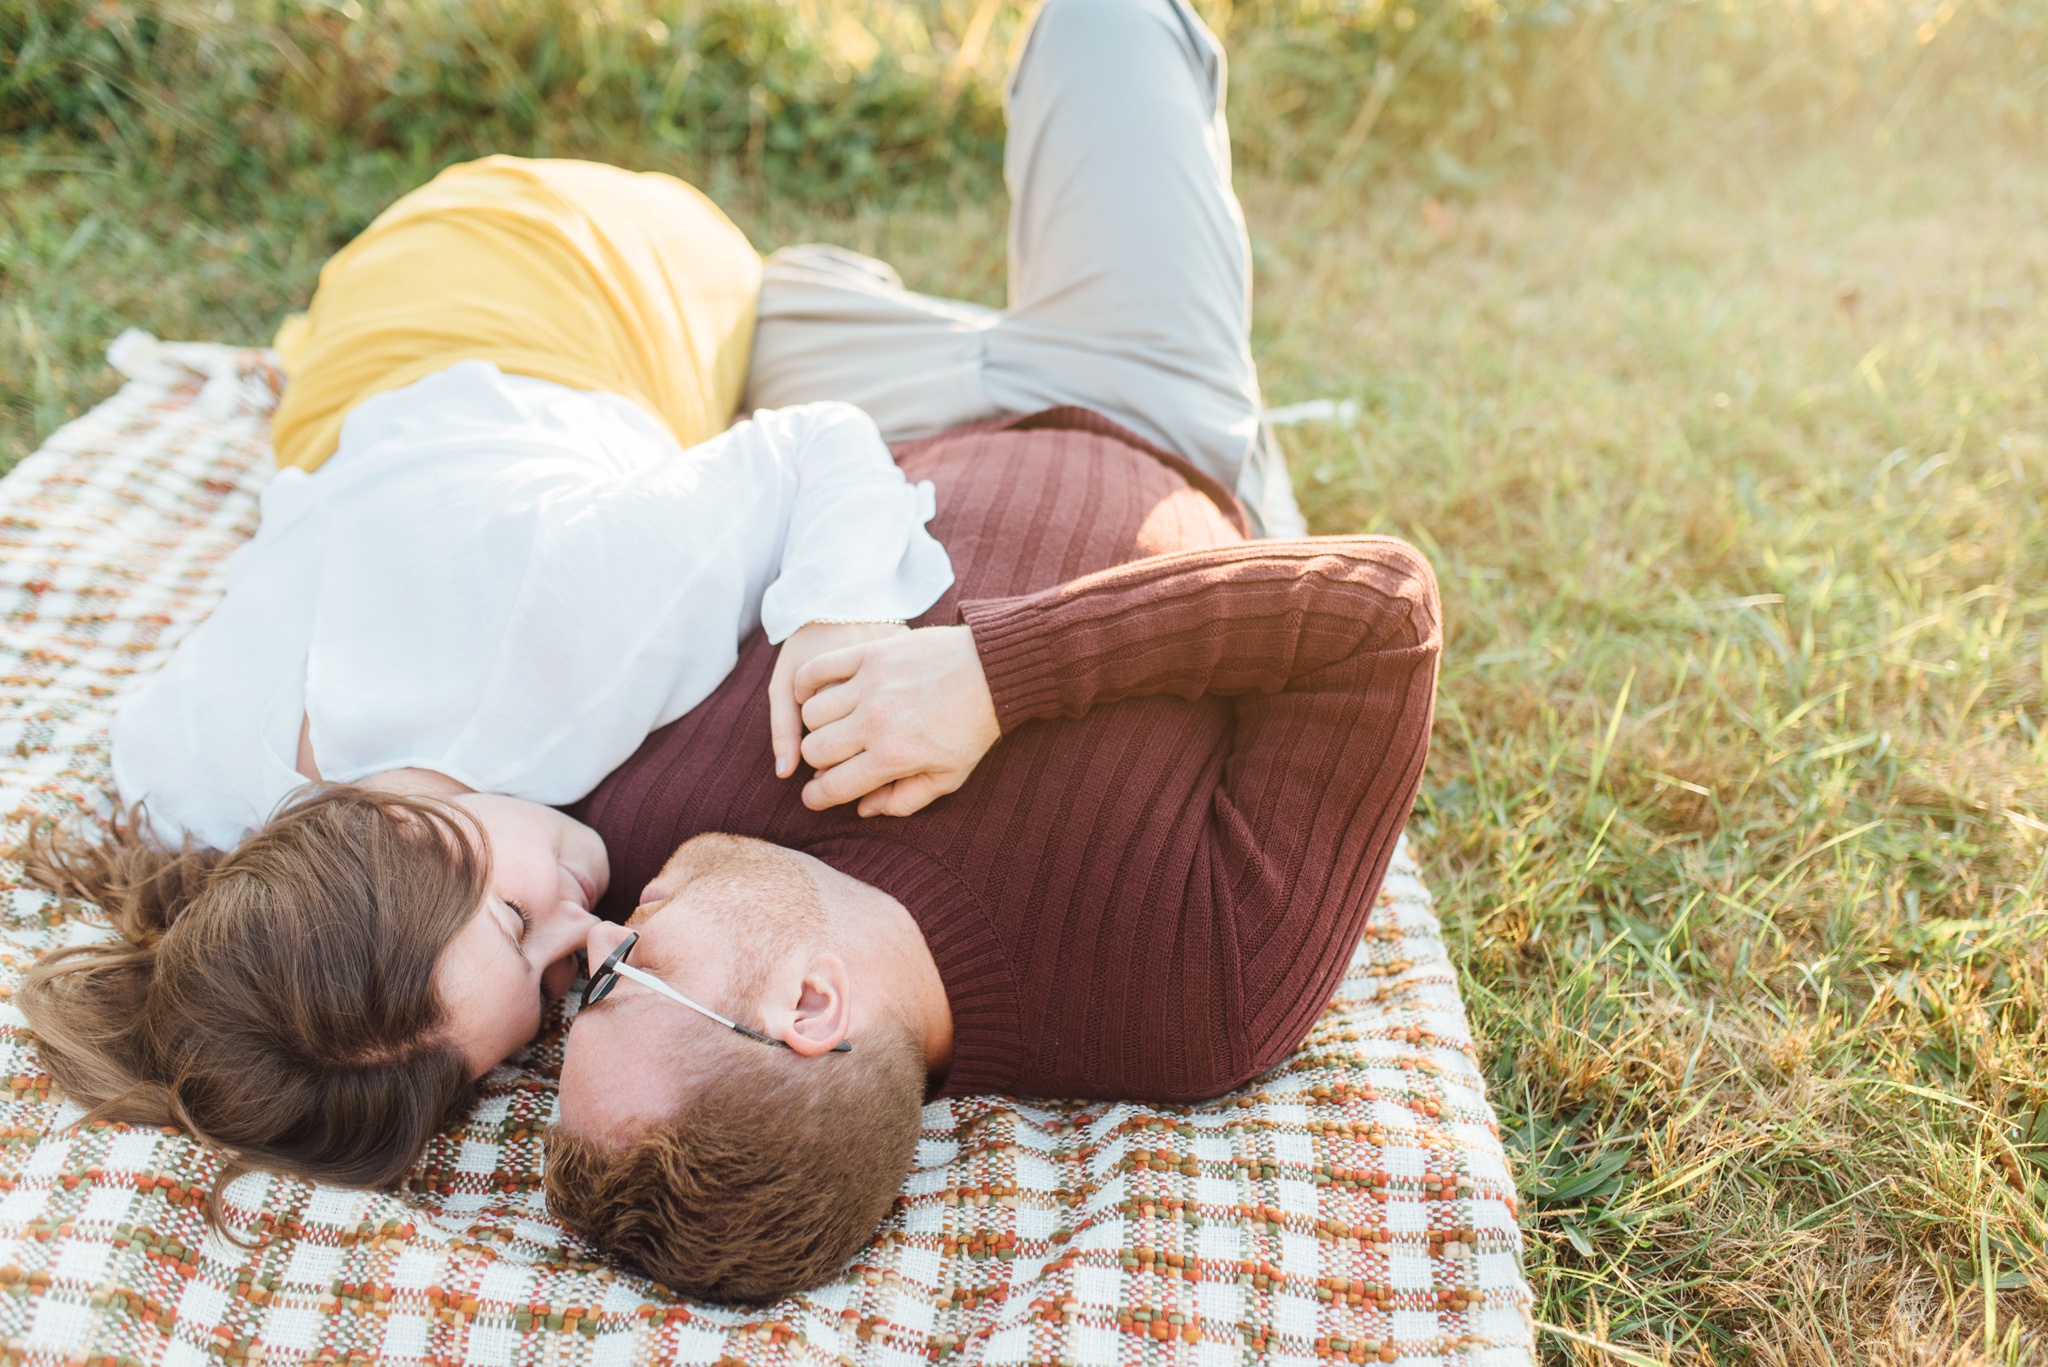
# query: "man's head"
[722,1166]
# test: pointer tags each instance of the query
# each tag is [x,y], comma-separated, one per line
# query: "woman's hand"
[897,722]
[807,643]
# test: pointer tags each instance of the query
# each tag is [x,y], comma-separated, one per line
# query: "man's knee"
[1117,38]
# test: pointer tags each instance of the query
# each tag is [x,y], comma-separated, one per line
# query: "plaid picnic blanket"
[1353,1206]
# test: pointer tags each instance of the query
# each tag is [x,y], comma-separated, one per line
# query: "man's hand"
[807,643]
[896,722]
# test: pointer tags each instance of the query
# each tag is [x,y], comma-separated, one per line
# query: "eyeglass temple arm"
[649,980]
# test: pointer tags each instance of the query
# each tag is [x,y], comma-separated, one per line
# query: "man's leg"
[1129,268]
[834,324]
[1130,272]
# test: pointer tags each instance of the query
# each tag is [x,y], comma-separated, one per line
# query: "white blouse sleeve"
[855,548]
[522,626]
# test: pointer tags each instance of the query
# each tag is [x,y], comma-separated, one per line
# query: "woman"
[487,569]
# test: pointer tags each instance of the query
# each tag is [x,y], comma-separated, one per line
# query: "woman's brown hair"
[279,1001]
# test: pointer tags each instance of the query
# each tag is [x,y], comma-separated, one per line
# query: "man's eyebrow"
[647,911]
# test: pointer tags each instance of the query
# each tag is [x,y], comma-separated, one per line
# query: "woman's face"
[518,952]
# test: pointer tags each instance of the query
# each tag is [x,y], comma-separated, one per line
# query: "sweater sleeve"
[1327,649]
[1243,620]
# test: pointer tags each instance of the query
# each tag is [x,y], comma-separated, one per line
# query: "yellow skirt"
[586,275]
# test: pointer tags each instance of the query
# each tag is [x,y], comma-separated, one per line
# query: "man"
[1129,791]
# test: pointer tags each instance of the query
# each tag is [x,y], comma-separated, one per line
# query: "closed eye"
[525,921]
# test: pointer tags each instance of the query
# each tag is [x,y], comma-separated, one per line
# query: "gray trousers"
[1130,272]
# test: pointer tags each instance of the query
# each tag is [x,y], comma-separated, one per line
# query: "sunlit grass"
[1735,482]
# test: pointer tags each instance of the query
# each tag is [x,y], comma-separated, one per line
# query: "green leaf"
[1566,1186]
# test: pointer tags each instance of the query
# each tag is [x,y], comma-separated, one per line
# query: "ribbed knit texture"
[1152,884]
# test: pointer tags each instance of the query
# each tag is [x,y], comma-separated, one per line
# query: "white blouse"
[511,582]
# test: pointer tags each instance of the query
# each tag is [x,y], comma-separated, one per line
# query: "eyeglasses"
[607,975]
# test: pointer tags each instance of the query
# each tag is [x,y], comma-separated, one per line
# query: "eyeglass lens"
[600,983]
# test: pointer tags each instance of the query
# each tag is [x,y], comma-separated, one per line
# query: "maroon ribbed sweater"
[1152,884]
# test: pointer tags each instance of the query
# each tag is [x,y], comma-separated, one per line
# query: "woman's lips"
[588,888]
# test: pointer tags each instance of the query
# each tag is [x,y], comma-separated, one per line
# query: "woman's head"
[294,1002]
[518,952]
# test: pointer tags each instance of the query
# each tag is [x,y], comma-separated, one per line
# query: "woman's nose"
[602,939]
[556,943]
[567,925]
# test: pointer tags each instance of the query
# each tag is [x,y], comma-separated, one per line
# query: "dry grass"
[1734,472]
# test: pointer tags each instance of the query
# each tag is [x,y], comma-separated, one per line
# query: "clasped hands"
[895,717]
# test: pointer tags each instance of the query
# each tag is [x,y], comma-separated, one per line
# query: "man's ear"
[818,1008]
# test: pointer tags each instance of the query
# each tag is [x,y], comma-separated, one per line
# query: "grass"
[1734,477]
[1727,428]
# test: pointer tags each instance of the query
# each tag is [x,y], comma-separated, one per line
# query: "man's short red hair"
[771,1175]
